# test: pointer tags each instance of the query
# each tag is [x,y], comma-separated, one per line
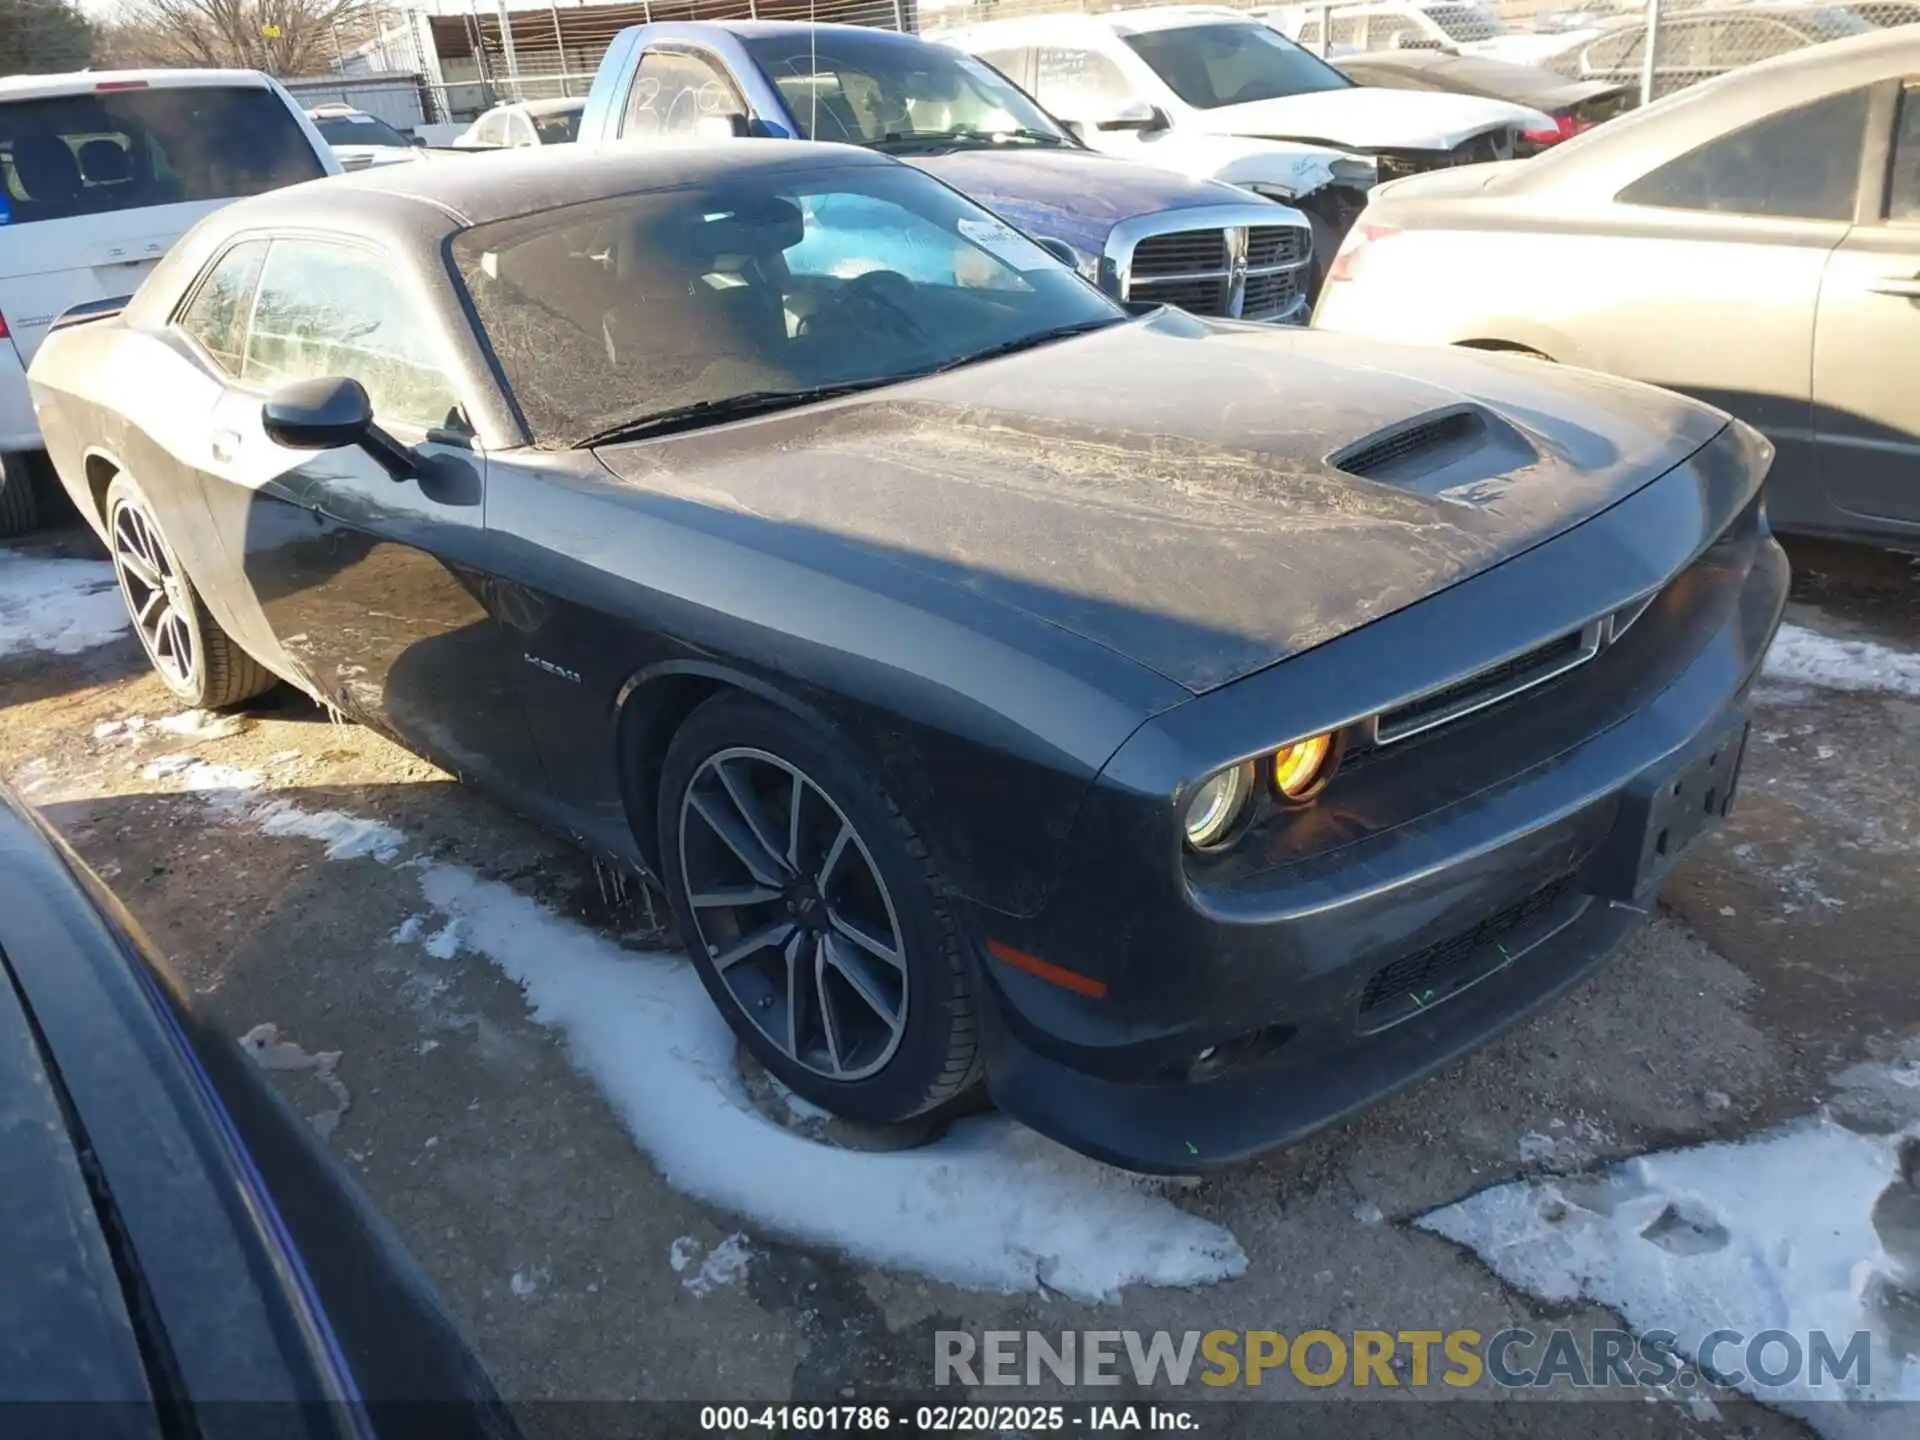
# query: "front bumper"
[1482,911]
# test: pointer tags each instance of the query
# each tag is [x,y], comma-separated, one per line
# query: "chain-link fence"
[472,54]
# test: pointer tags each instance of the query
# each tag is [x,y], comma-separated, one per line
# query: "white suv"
[99,174]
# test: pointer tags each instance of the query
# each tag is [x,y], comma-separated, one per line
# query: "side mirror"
[723,127]
[1075,128]
[1059,249]
[419,142]
[331,413]
[1134,115]
[319,414]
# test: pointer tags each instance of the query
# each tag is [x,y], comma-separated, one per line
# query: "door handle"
[226,444]
[1896,285]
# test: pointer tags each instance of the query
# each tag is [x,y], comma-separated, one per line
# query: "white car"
[1385,25]
[100,173]
[527,123]
[362,141]
[1174,85]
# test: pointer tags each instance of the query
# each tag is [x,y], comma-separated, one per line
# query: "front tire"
[814,915]
[195,658]
[19,510]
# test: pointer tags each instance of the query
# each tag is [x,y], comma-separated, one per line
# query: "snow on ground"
[59,606]
[1813,659]
[1812,1227]
[990,1205]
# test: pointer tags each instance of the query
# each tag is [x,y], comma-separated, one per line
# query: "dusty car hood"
[1162,488]
[1074,195]
[1368,118]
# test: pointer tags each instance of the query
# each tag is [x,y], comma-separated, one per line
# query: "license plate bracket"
[1665,813]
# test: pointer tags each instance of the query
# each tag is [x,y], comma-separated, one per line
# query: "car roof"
[558,105]
[85,82]
[1116,22]
[500,185]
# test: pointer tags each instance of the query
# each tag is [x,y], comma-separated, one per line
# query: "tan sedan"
[1753,241]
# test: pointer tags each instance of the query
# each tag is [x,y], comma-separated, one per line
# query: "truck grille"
[1249,272]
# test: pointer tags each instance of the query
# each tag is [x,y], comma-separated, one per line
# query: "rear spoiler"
[92,310]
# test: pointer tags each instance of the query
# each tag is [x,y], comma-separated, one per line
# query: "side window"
[1078,84]
[1903,179]
[492,129]
[673,92]
[217,315]
[327,309]
[1309,34]
[520,131]
[1802,164]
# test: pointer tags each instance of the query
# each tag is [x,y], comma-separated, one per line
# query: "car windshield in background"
[1233,64]
[872,92]
[358,130]
[65,155]
[558,127]
[1463,23]
[614,313]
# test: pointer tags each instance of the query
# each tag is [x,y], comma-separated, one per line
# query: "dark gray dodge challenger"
[1191,730]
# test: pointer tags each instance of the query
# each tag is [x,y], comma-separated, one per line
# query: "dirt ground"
[1785,950]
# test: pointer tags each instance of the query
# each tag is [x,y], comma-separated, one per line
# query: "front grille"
[1269,245]
[1202,297]
[1253,272]
[1486,687]
[1269,295]
[1185,252]
[1442,970]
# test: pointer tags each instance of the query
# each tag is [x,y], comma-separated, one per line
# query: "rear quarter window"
[93,154]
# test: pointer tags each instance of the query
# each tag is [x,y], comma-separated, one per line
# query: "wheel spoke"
[836,1054]
[764,938]
[162,633]
[182,642]
[136,565]
[748,805]
[156,599]
[796,992]
[794,797]
[855,974]
[732,895]
[834,853]
[738,838]
[874,947]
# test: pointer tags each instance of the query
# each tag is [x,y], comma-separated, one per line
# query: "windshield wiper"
[902,139]
[721,409]
[1025,342]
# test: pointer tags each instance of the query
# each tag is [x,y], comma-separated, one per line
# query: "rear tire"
[19,510]
[829,899]
[189,651]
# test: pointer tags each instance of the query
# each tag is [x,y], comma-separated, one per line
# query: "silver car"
[1754,242]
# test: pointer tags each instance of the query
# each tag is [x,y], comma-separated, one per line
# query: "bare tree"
[39,37]
[282,37]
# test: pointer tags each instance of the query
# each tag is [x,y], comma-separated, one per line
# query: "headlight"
[1353,170]
[1217,804]
[1300,769]
[1278,193]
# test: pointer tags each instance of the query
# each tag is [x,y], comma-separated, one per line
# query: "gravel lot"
[478,1117]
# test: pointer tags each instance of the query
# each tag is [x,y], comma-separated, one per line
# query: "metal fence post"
[1652,49]
[560,52]
[506,52]
[1326,31]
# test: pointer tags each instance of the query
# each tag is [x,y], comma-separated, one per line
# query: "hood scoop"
[1444,453]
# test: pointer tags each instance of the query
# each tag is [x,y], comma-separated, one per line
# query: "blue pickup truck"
[1139,233]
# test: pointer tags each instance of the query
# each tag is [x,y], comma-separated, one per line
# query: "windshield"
[1463,22]
[1232,63]
[558,127]
[605,313]
[357,130]
[863,91]
[66,155]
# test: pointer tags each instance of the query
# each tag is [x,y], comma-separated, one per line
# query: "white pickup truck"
[100,173]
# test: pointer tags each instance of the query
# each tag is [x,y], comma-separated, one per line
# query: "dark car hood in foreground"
[1162,488]
[1072,195]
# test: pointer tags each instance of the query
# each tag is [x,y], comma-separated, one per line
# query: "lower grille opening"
[1418,982]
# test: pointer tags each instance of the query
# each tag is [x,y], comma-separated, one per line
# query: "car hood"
[1075,195]
[1369,118]
[1163,488]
